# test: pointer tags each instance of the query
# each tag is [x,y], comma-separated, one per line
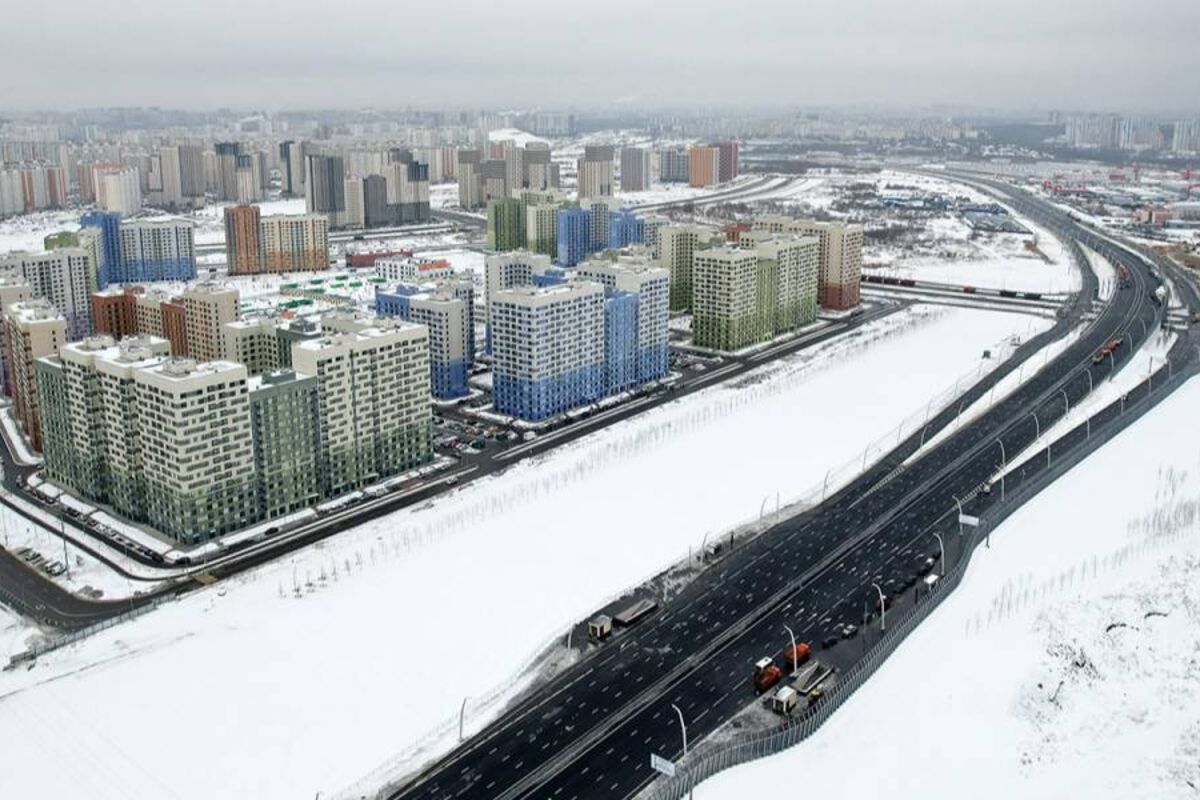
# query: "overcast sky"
[556,53]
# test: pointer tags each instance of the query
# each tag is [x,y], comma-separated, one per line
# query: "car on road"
[830,641]
[848,630]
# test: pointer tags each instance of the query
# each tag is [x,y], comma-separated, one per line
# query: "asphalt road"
[588,733]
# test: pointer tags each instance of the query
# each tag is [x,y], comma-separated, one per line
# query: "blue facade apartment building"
[650,285]
[547,349]
[443,308]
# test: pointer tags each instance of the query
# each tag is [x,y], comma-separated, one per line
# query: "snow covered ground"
[343,642]
[1065,665]
[26,231]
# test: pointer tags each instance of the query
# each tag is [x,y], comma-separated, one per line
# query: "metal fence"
[64,639]
[702,765]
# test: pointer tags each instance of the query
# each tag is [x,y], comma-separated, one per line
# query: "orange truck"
[766,674]
[795,656]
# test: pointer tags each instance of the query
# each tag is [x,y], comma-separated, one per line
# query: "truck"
[797,655]
[784,700]
[600,627]
[766,674]
[631,614]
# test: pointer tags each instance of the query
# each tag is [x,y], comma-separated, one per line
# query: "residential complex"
[752,293]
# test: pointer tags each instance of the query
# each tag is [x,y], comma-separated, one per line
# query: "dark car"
[830,641]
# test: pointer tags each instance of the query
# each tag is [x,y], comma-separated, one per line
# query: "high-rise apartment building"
[65,277]
[728,169]
[193,420]
[155,250]
[78,403]
[291,168]
[243,255]
[114,312]
[118,190]
[284,434]
[505,224]
[35,328]
[470,181]
[635,169]
[573,236]
[637,353]
[294,242]
[108,225]
[547,349]
[841,256]
[749,294]
[448,319]
[372,403]
[704,165]
[725,312]
[253,343]
[677,244]
[541,228]
[595,170]
[13,289]
[207,308]
[325,186]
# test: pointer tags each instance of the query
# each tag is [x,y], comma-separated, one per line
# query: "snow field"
[371,639]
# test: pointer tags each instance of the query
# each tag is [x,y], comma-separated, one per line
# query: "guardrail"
[1122,413]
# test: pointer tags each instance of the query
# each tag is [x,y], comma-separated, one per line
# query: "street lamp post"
[882,608]
[941,550]
[1066,402]
[1003,467]
[792,635]
[683,730]
[1037,425]
[1091,383]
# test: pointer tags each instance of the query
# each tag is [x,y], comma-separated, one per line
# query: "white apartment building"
[193,420]
[412,270]
[65,277]
[118,190]
[373,403]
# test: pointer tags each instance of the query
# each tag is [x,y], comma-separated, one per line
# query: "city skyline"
[869,54]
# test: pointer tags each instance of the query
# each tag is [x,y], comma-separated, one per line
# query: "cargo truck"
[766,674]
[795,656]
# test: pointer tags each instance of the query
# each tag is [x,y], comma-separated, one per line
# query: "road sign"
[662,765]
[966,519]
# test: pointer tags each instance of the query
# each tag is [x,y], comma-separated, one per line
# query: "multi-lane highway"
[588,732]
